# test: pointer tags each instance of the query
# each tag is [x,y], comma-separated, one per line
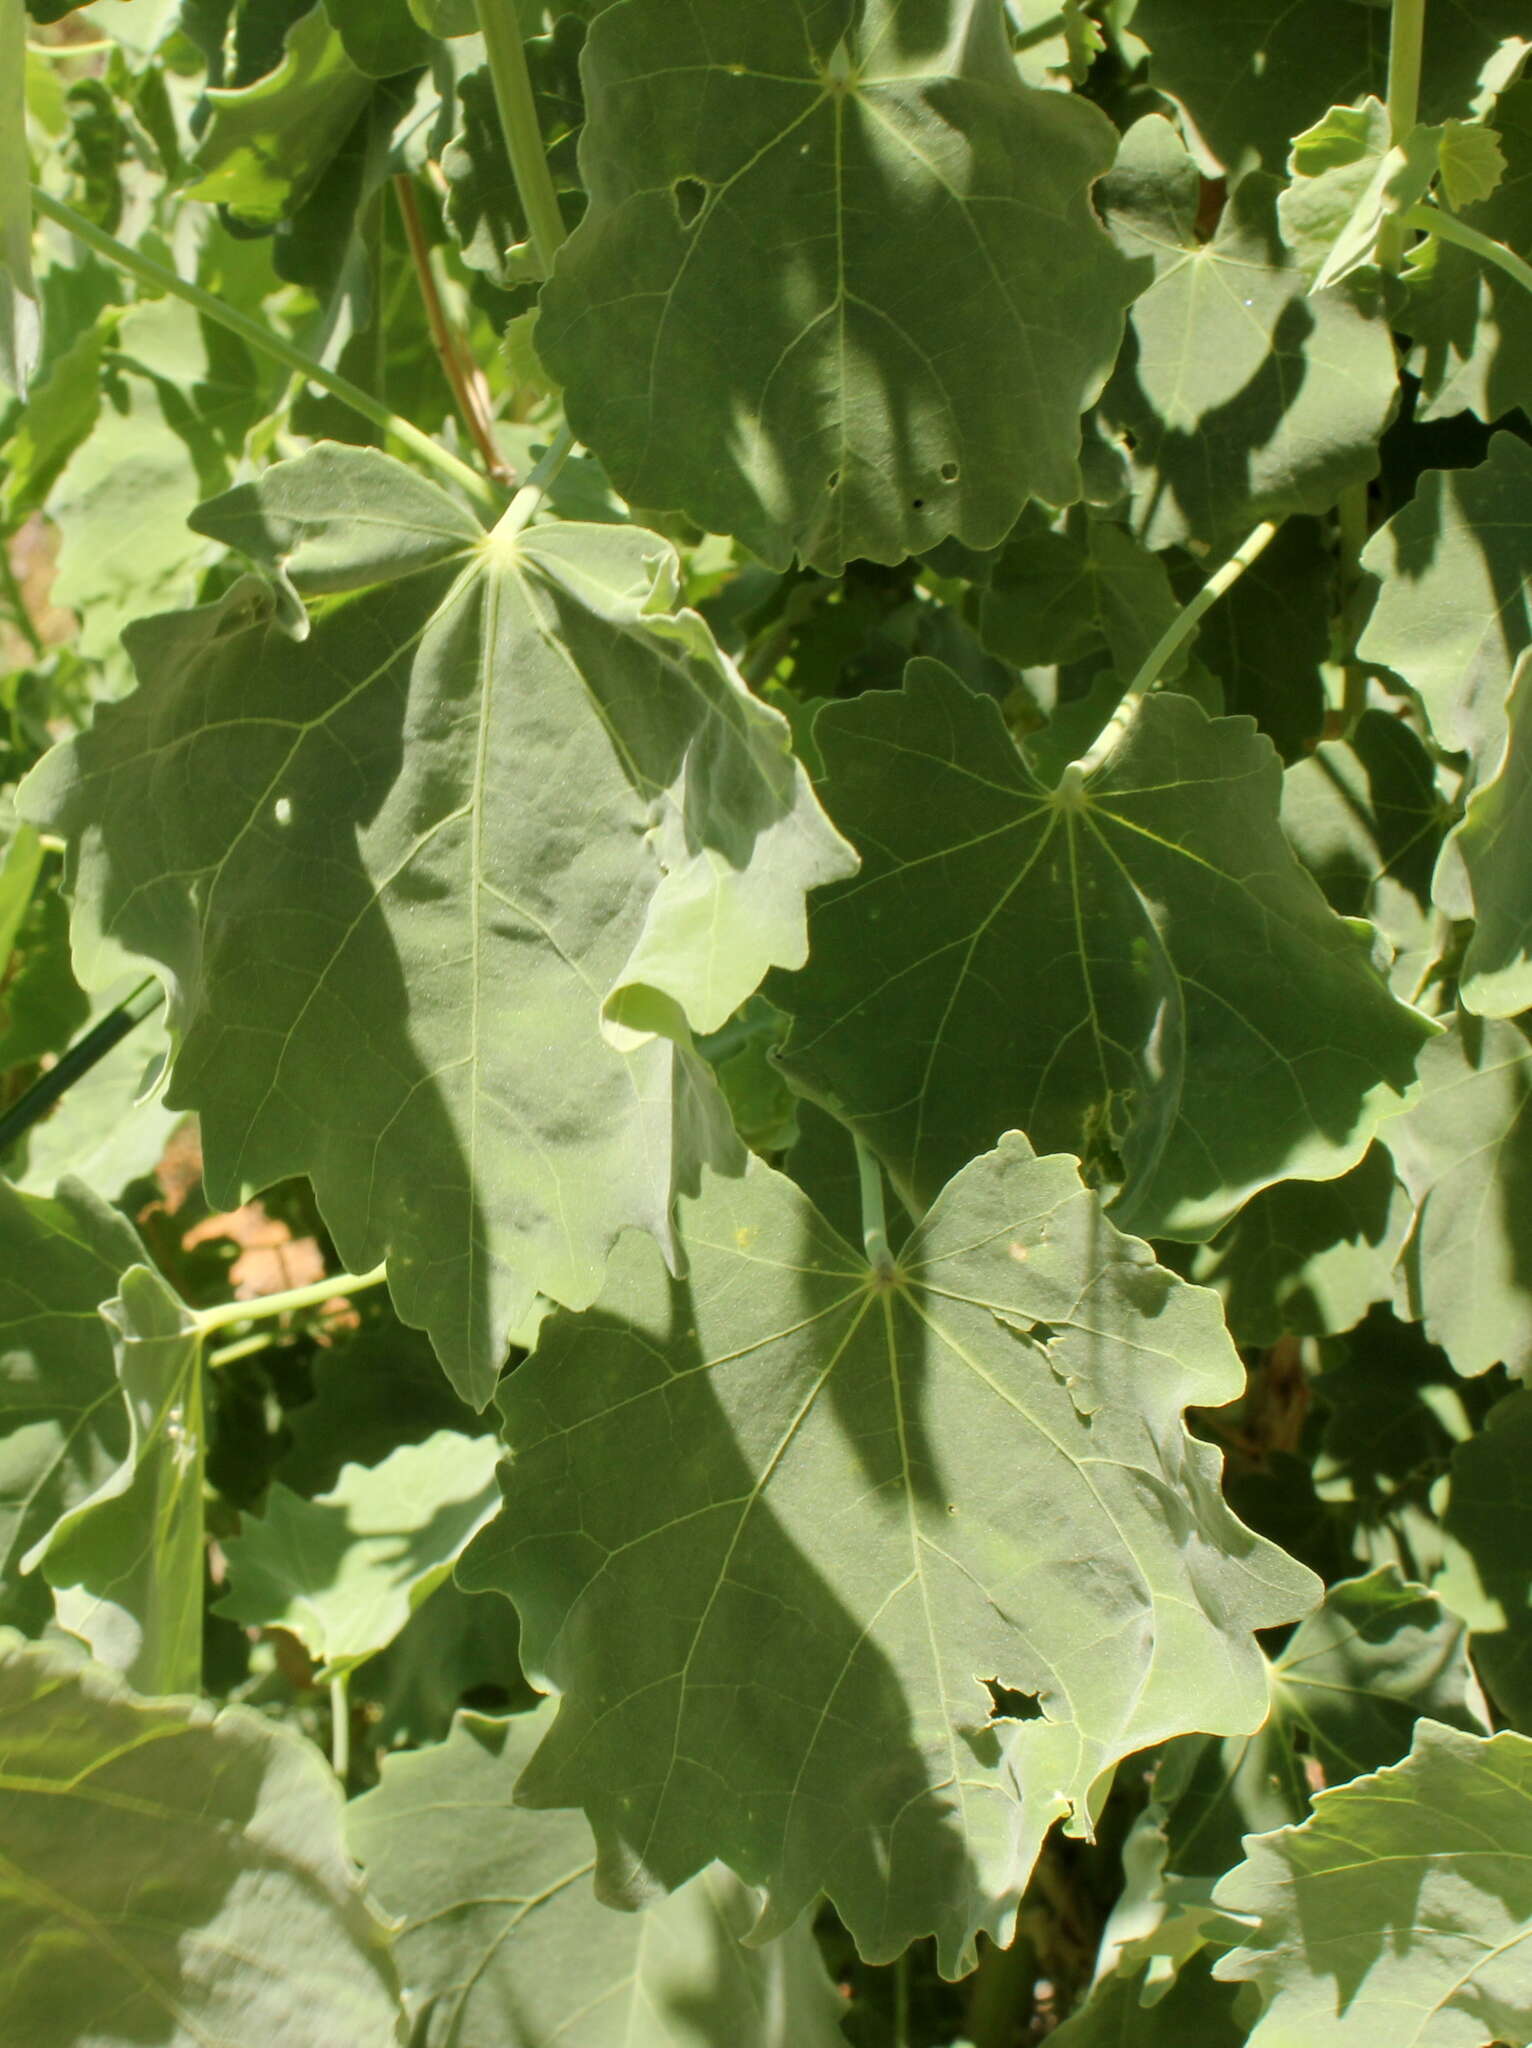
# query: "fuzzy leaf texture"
[770,1528]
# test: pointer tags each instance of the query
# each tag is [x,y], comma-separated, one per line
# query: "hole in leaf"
[916,503]
[690,196]
[832,481]
[1006,1704]
[949,472]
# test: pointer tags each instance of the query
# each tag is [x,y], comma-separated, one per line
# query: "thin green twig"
[78,1061]
[161,279]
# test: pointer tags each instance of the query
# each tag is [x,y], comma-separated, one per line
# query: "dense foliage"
[765,960]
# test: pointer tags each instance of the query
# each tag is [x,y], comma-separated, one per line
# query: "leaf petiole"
[161,279]
[523,133]
[522,508]
[1179,629]
[1434,220]
[263,1306]
[874,1215]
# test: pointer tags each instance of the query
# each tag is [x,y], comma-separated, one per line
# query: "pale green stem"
[519,512]
[1180,628]
[1431,220]
[160,279]
[1406,40]
[340,1729]
[246,1347]
[1406,36]
[874,1216]
[902,2001]
[523,132]
[264,1306]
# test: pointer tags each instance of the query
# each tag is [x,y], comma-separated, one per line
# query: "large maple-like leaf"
[440,889]
[854,252]
[771,1529]
[1131,966]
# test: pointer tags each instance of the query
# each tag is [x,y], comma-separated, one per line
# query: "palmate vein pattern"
[760,178]
[441,888]
[1132,968]
[771,1528]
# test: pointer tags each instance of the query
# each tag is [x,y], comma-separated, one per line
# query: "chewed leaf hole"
[832,481]
[1006,1704]
[949,472]
[690,196]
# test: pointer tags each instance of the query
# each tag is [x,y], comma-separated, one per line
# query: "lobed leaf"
[771,1529]
[1131,966]
[746,263]
[504,828]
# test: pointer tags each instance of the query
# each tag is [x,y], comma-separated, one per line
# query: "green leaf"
[344,1573]
[746,264]
[504,1941]
[1247,397]
[1491,842]
[175,1875]
[1452,616]
[1464,1152]
[1132,966]
[20,322]
[1348,180]
[1059,596]
[62,406]
[1252,76]
[1308,1258]
[1472,325]
[63,1427]
[479,806]
[125,1564]
[1404,1901]
[1490,1515]
[772,1648]
[1472,162]
[1365,817]
[267,144]
[381,37]
[1346,1692]
[373,1392]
